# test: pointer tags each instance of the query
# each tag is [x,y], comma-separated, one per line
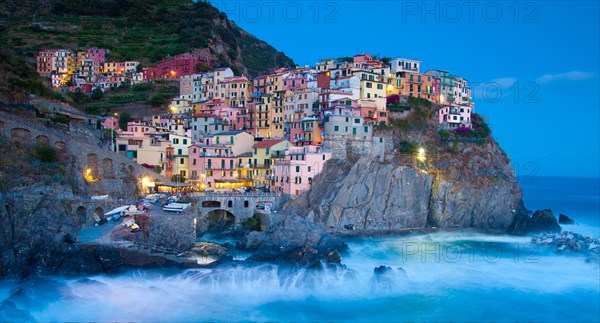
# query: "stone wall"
[343,146]
[117,174]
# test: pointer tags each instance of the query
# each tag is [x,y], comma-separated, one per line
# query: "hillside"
[136,29]
[132,29]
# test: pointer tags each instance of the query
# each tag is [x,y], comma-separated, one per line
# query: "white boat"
[100,197]
[118,210]
[176,207]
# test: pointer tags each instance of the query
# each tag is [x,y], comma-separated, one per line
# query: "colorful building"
[295,173]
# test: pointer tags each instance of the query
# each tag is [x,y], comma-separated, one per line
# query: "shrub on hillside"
[46,153]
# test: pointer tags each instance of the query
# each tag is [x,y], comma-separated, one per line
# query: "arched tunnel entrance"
[81,213]
[220,221]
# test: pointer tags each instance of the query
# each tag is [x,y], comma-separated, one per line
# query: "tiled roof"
[267,143]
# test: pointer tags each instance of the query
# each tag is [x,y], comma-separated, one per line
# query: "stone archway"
[107,168]
[59,144]
[220,220]
[81,213]
[99,212]
[20,134]
[42,140]
[92,164]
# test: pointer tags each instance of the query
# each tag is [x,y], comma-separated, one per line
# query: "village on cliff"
[274,132]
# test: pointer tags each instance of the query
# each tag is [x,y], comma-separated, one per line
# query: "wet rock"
[563,219]
[544,221]
[540,221]
[382,270]
[383,279]
[9,312]
[568,242]
[206,249]
[294,240]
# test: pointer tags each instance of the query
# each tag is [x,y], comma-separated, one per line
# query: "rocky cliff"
[457,184]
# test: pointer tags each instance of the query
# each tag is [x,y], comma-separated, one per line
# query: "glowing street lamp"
[421,154]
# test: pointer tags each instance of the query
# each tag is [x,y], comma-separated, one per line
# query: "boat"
[176,207]
[118,210]
[128,223]
[152,198]
[100,197]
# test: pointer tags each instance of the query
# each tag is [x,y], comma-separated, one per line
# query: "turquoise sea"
[457,276]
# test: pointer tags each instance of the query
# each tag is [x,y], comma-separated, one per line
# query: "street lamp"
[421,154]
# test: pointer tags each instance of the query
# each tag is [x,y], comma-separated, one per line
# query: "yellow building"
[262,159]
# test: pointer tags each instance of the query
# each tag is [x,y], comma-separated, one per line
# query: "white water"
[534,285]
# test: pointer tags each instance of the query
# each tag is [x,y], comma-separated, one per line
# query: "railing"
[235,194]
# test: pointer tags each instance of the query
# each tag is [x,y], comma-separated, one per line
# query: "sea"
[442,276]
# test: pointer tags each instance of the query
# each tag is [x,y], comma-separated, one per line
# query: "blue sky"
[543,56]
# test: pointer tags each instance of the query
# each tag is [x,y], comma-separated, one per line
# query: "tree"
[124,118]
[203,67]
[97,94]
[46,153]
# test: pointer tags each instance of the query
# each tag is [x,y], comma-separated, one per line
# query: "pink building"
[214,167]
[176,66]
[97,54]
[455,116]
[111,123]
[295,80]
[362,58]
[296,172]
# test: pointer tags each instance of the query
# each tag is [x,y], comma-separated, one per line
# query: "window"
[366,129]
[369,85]
[181,161]
[309,169]
[380,86]
[323,157]
[357,120]
[297,169]
[336,128]
[179,152]
[185,141]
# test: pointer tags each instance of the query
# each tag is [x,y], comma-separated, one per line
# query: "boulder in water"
[9,312]
[563,219]
[209,249]
[383,279]
[540,221]
[544,221]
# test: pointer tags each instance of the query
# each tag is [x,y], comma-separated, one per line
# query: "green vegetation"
[142,87]
[46,153]
[22,77]
[99,108]
[126,98]
[124,118]
[408,147]
[60,118]
[144,30]
[252,224]
[158,99]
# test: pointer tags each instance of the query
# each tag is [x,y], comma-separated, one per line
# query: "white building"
[405,65]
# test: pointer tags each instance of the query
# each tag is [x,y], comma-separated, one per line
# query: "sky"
[533,65]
